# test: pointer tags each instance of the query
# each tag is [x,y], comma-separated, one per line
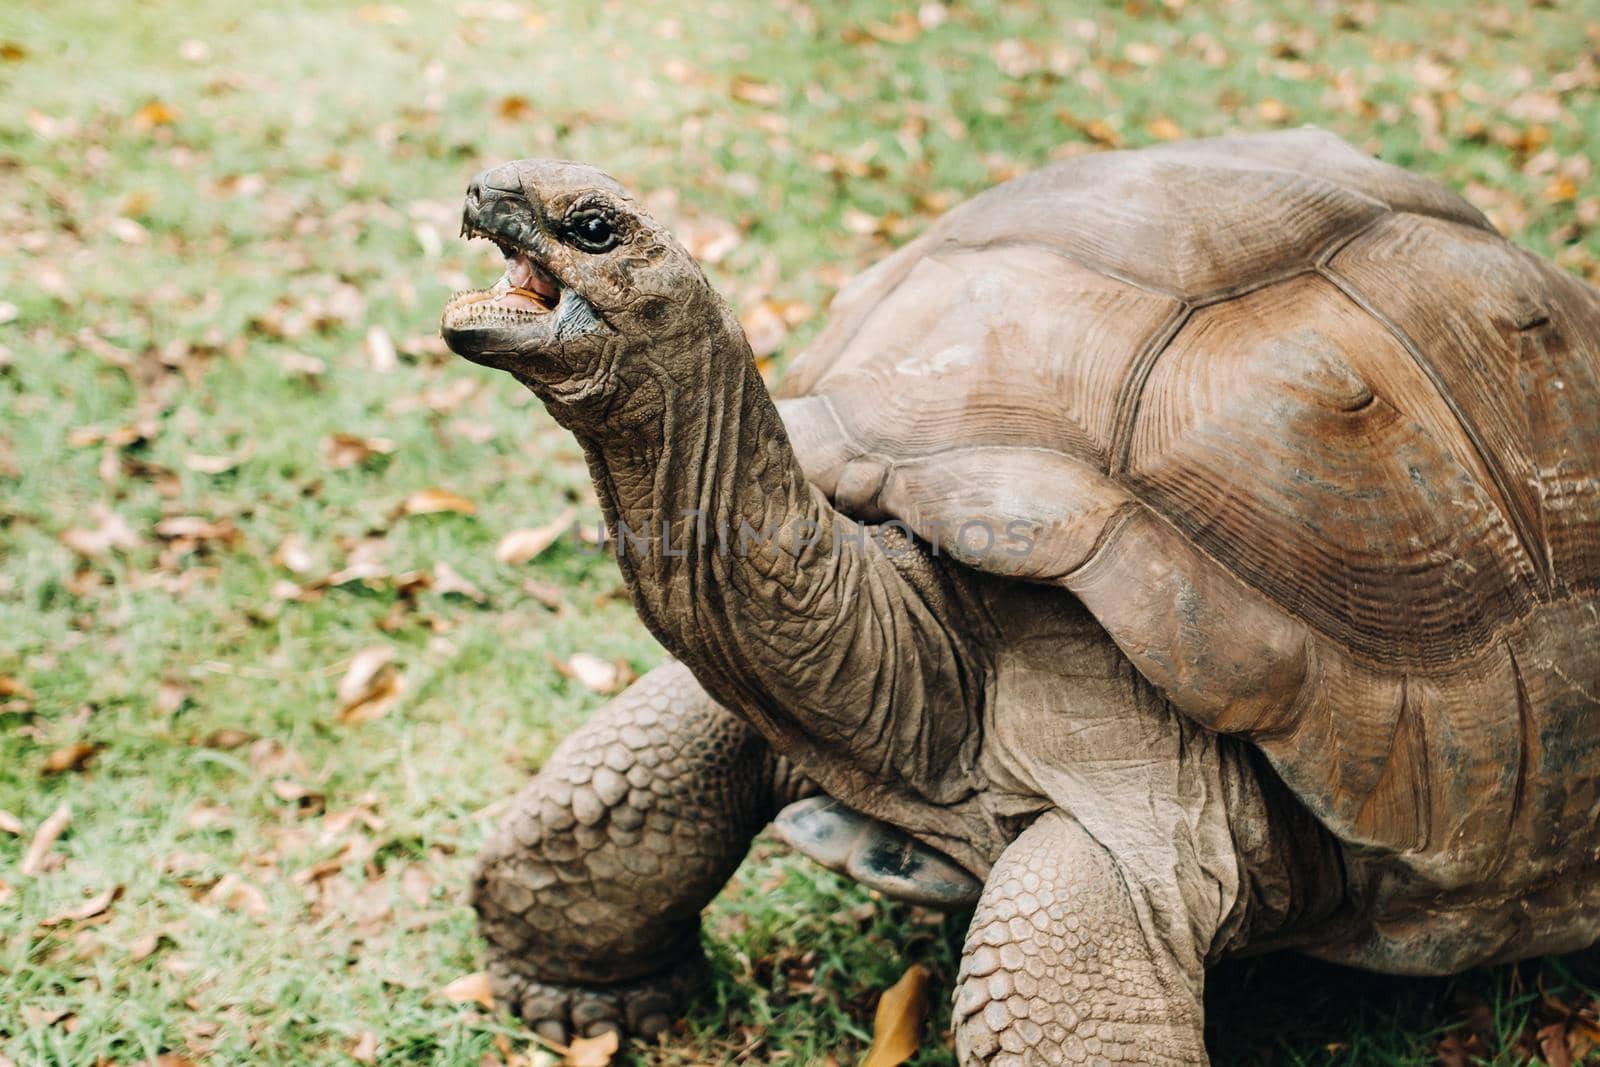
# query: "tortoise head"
[597,295]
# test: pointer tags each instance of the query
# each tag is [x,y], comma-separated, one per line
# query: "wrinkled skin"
[1121,847]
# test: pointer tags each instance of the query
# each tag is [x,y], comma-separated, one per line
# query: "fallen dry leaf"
[592,1051]
[73,757]
[590,670]
[170,1059]
[228,738]
[897,1025]
[416,884]
[300,364]
[293,555]
[904,27]
[112,533]
[141,947]
[516,108]
[859,222]
[154,114]
[1561,189]
[446,580]
[1143,53]
[765,329]
[34,1015]
[383,14]
[44,839]
[203,464]
[1016,58]
[1275,111]
[380,350]
[171,696]
[433,501]
[1553,1045]
[442,399]
[128,231]
[197,528]
[470,988]
[341,450]
[207,816]
[474,431]
[364,564]
[95,905]
[548,594]
[296,793]
[754,91]
[370,686]
[520,546]
[1164,129]
[14,696]
[708,239]
[365,1049]
[236,894]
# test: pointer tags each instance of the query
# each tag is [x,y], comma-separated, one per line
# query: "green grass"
[199,201]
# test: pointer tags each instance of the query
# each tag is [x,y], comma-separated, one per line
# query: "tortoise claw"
[559,1012]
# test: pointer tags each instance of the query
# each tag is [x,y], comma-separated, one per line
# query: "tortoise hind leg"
[1069,960]
[589,892]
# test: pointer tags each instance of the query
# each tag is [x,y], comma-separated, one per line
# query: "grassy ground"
[227,231]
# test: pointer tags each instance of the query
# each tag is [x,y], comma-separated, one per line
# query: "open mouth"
[525,289]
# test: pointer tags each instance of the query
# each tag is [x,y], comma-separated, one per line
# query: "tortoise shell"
[1317,447]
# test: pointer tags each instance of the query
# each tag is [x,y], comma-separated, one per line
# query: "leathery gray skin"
[1121,848]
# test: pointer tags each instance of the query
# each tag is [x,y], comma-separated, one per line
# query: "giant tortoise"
[1176,552]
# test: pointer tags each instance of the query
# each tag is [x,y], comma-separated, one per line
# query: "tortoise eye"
[592,231]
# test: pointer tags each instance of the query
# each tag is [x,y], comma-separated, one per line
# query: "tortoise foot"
[559,1012]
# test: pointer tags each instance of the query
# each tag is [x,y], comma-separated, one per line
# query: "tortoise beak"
[531,311]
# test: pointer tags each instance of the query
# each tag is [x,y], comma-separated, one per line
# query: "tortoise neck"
[788,612]
[706,503]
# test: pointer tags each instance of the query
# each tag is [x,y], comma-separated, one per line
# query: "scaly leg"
[1071,961]
[590,891]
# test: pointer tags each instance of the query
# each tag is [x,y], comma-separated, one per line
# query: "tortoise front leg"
[589,892]
[1071,960]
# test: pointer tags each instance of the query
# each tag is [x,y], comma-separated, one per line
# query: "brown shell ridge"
[1144,365]
[1137,505]
[1527,541]
[1106,534]
[867,509]
[1524,743]
[999,243]
[1328,250]
[1167,331]
[1415,725]
[1131,396]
